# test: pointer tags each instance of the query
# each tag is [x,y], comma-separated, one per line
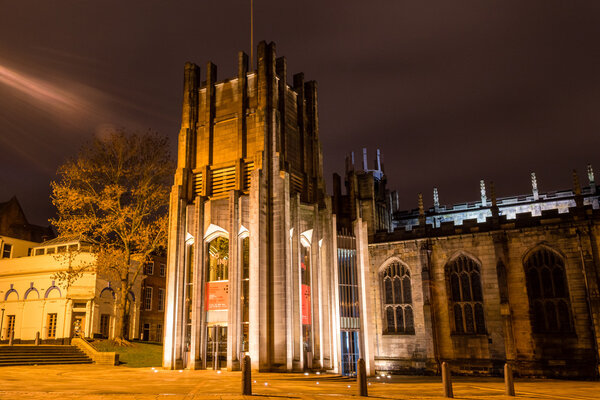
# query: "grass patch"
[137,355]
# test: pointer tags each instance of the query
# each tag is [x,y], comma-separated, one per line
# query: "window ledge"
[399,333]
[471,335]
[555,335]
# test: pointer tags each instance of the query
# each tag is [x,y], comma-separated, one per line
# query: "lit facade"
[32,300]
[253,254]
[262,262]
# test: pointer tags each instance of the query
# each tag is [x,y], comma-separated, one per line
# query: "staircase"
[41,355]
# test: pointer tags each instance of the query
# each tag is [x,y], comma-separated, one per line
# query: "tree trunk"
[121,317]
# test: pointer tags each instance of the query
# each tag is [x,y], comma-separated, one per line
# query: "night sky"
[452,92]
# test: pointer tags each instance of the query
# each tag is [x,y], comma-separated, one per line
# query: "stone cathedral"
[261,261]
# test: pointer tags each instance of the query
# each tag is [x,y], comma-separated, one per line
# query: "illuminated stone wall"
[250,166]
[495,246]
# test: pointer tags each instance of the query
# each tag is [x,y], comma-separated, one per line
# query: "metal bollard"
[361,377]
[447,380]
[509,384]
[37,338]
[246,376]
[11,338]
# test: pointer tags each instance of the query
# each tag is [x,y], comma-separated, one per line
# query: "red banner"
[306,320]
[217,296]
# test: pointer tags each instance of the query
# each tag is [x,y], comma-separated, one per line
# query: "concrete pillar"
[198,326]
[174,308]
[364,277]
[233,328]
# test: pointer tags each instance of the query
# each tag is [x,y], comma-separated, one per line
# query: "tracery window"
[397,299]
[548,292]
[466,295]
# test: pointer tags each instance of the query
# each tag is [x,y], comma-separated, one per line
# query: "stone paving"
[119,383]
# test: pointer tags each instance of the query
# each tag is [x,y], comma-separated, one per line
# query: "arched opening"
[466,296]
[217,301]
[305,280]
[395,280]
[548,292]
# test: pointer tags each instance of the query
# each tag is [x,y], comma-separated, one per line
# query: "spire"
[493,194]
[576,185]
[577,190]
[421,210]
[378,160]
[495,211]
[534,186]
[482,190]
[590,173]
[436,199]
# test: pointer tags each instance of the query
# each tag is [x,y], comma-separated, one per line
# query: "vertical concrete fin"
[242,105]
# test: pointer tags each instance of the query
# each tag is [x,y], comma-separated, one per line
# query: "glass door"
[216,347]
[350,352]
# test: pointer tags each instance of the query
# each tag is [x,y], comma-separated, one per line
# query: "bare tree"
[116,194]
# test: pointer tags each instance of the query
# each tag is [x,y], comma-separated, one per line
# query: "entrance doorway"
[78,325]
[146,333]
[350,352]
[216,347]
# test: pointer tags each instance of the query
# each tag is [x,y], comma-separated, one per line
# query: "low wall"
[99,357]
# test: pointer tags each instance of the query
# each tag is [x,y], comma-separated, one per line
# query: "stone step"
[32,355]
[45,362]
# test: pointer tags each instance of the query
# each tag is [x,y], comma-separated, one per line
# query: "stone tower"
[252,245]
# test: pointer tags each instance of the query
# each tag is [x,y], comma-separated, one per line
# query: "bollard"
[37,338]
[509,384]
[361,377]
[246,376]
[11,338]
[447,380]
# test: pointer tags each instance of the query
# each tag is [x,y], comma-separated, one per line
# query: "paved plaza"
[100,382]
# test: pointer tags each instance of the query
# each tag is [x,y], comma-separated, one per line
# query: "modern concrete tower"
[253,255]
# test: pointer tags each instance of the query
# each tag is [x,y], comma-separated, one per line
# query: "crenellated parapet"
[550,217]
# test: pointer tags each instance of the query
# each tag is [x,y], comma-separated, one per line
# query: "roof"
[66,239]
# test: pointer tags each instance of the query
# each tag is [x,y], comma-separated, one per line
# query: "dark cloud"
[451,92]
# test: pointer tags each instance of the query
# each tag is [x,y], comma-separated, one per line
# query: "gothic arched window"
[466,295]
[548,292]
[397,299]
